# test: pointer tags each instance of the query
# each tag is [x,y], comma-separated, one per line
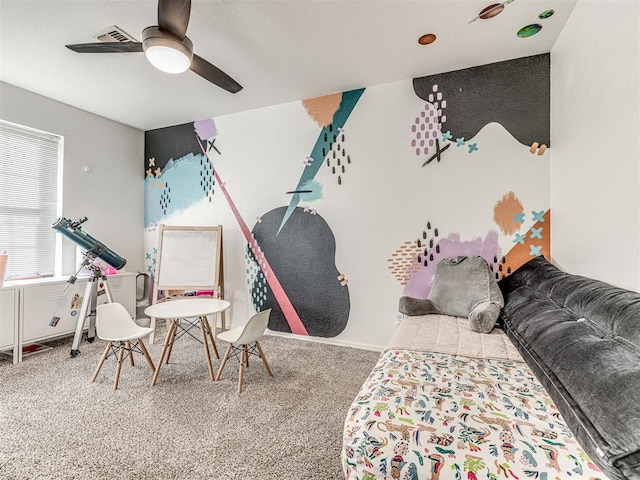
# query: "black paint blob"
[302,257]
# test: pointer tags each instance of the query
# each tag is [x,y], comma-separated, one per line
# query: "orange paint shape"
[521,253]
[540,151]
[322,109]
[504,211]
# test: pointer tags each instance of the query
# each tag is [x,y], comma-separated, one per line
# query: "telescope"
[73,231]
[94,249]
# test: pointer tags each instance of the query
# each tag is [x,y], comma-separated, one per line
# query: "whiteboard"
[188,257]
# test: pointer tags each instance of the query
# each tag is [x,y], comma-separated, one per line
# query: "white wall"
[111,195]
[595,168]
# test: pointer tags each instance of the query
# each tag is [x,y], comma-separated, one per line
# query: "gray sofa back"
[581,338]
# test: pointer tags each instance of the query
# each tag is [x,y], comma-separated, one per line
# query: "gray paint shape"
[302,257]
[514,93]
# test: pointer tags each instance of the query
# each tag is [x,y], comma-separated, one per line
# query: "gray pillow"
[462,287]
[416,306]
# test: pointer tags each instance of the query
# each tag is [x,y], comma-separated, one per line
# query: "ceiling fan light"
[168,59]
[165,51]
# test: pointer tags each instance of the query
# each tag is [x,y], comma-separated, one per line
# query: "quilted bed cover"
[424,415]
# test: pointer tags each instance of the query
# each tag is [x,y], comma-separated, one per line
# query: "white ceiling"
[279,51]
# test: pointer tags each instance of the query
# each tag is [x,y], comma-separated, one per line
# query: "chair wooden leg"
[172,327]
[102,359]
[264,359]
[146,354]
[205,343]
[224,362]
[212,337]
[241,372]
[119,367]
[128,345]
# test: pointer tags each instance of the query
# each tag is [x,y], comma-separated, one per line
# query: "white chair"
[115,325]
[243,341]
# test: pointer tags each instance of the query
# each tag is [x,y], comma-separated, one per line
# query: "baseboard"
[338,342]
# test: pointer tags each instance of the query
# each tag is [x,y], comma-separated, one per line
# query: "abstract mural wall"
[459,105]
[334,207]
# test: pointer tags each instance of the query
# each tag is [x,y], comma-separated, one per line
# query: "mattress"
[443,403]
[447,334]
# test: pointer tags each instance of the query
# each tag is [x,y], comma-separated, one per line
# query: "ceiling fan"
[167,47]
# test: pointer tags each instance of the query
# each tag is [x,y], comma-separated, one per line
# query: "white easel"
[189,258]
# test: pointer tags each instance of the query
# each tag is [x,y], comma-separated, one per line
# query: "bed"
[444,402]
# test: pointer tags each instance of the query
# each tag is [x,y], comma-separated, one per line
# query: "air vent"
[114,34]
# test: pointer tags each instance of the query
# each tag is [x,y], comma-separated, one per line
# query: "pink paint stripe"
[286,306]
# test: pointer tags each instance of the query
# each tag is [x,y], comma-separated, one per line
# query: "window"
[30,165]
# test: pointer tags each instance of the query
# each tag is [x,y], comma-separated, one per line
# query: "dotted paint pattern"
[402,262]
[497,267]
[256,281]
[427,125]
[427,254]
[165,198]
[207,180]
[337,157]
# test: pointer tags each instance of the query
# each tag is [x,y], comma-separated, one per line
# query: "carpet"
[55,424]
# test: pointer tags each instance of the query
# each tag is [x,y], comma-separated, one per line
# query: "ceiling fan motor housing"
[159,44]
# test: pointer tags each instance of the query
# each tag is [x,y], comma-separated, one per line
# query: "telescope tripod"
[97,280]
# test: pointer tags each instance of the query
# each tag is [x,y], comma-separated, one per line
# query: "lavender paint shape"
[205,129]
[419,285]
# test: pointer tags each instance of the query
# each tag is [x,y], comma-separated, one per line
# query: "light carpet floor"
[55,424]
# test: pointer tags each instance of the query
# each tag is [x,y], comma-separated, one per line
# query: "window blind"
[29,165]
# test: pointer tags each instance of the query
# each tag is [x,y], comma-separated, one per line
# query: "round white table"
[183,309]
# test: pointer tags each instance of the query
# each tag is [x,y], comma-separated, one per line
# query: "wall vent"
[114,34]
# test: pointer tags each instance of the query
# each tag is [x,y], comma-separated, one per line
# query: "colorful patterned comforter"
[434,416]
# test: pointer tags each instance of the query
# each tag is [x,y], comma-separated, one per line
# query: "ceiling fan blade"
[173,16]
[106,47]
[214,74]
